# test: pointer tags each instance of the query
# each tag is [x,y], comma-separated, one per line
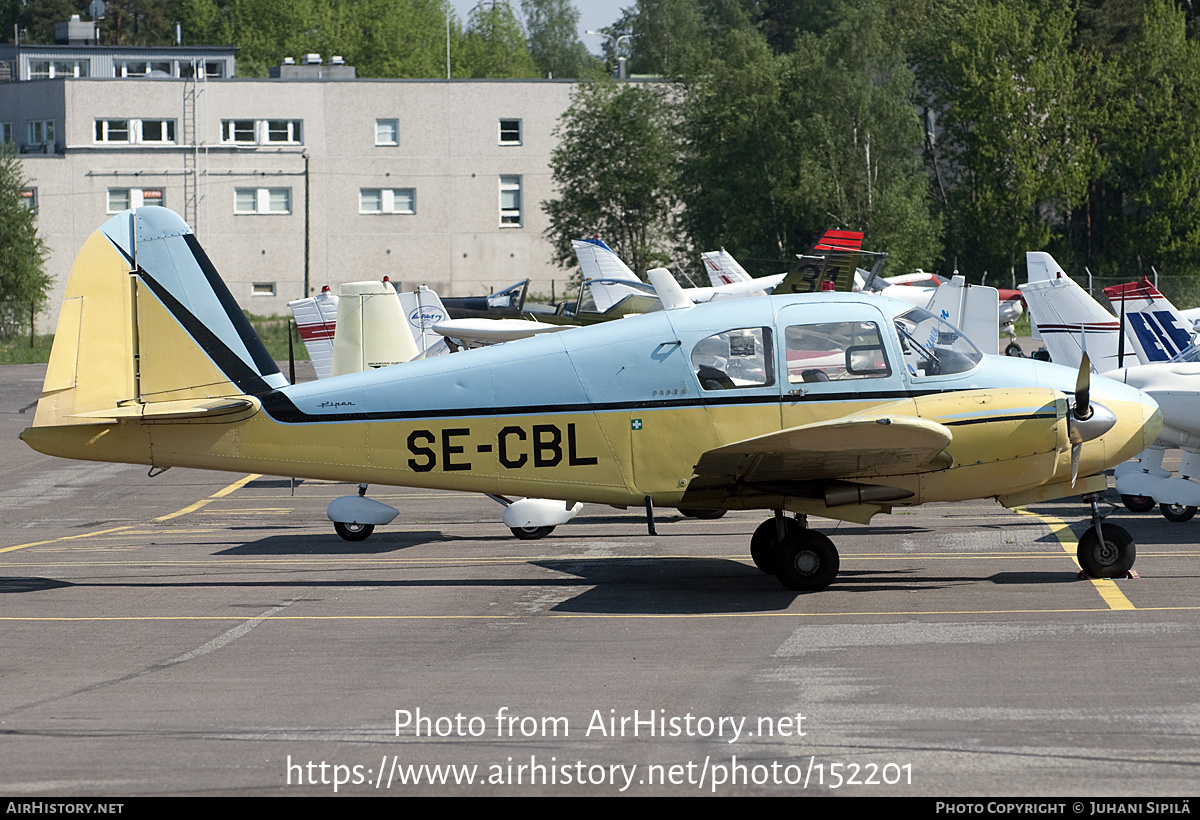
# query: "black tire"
[353,532]
[531,533]
[1112,559]
[704,515]
[1176,513]
[1014,349]
[1042,355]
[764,547]
[1138,503]
[809,562]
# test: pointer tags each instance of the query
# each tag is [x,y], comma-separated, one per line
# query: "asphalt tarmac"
[199,633]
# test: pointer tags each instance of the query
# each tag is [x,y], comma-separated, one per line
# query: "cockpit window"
[933,347]
[833,351]
[735,358]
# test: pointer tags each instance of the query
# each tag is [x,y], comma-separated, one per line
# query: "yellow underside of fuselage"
[615,457]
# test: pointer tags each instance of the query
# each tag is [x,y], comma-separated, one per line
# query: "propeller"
[1087,421]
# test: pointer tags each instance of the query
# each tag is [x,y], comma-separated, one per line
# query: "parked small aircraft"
[1168,369]
[838,405]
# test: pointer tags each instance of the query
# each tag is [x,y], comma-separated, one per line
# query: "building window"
[135,131]
[510,132]
[283,131]
[6,132]
[122,199]
[262,201]
[113,131]
[158,131]
[29,199]
[238,131]
[41,132]
[387,201]
[118,200]
[50,69]
[510,201]
[261,132]
[387,132]
[214,70]
[262,289]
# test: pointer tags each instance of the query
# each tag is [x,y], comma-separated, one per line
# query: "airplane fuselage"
[616,413]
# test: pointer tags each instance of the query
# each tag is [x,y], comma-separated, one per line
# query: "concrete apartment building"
[306,175]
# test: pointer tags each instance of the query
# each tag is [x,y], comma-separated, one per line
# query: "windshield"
[1189,354]
[933,347]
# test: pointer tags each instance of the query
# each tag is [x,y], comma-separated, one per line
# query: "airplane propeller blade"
[1083,405]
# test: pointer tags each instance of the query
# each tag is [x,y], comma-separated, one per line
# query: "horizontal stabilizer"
[176,410]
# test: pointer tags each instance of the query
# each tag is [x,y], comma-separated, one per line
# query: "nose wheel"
[803,560]
[1105,550]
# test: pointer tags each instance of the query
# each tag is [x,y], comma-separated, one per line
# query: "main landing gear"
[802,559]
[1105,550]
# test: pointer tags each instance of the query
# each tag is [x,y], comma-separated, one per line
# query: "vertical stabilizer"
[143,275]
[1068,318]
[1158,331]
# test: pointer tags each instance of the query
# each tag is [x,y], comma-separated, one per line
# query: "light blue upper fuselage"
[644,361]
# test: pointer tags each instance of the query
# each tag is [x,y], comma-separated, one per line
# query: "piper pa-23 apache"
[836,405]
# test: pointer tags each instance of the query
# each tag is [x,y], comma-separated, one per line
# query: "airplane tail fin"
[372,331]
[1068,318]
[831,265]
[723,269]
[148,330]
[316,319]
[1159,332]
[973,309]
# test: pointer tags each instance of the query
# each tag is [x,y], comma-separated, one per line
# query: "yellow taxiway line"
[237,485]
[1107,588]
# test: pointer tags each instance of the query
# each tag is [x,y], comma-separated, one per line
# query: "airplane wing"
[841,461]
[846,448]
[476,332]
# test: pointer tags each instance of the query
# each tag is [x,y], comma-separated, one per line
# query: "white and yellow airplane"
[837,405]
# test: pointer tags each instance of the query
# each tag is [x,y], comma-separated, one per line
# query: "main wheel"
[531,533]
[1110,559]
[353,532]
[1014,349]
[764,544]
[1138,503]
[809,562]
[706,515]
[1177,513]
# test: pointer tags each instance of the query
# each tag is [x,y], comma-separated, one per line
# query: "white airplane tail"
[1158,331]
[316,319]
[723,269]
[600,263]
[1068,318]
[973,309]
[423,309]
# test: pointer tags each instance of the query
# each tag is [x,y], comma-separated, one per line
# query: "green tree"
[554,44]
[780,147]
[615,169]
[22,252]
[494,45]
[1014,126]
[1150,206]
[380,38]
